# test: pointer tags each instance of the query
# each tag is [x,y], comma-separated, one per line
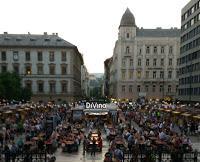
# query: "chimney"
[45,33]
[29,33]
[56,34]
[53,33]
[5,32]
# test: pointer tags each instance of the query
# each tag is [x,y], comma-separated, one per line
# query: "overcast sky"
[91,25]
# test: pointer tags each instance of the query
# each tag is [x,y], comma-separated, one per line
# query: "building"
[84,81]
[144,61]
[189,62]
[107,64]
[95,85]
[47,64]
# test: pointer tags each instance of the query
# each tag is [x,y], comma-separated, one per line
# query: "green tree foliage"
[10,87]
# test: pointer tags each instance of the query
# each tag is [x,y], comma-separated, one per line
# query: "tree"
[10,87]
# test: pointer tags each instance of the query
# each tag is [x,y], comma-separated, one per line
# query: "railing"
[152,156]
[24,157]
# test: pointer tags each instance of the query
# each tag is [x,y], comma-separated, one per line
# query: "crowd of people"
[147,128]
[26,132]
[134,129]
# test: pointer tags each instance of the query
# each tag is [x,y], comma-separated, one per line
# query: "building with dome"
[144,61]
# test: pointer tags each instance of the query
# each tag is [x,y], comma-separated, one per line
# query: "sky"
[91,25]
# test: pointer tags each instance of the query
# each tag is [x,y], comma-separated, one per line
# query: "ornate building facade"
[144,61]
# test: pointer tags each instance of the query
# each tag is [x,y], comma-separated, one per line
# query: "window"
[123,88]
[154,88]
[51,69]
[40,69]
[161,88]
[147,74]
[154,74]
[161,74]
[15,56]
[131,62]
[52,87]
[127,49]
[51,56]
[64,87]
[147,49]
[3,55]
[169,88]
[170,50]
[138,74]
[16,68]
[147,62]
[154,62]
[127,35]
[39,56]
[27,56]
[177,74]
[138,88]
[192,10]
[155,49]
[28,69]
[162,49]
[192,22]
[3,68]
[130,74]
[161,62]
[63,56]
[139,62]
[64,69]
[123,62]
[169,74]
[146,88]
[123,74]
[130,88]
[170,61]
[40,87]
[140,51]
[176,88]
[28,85]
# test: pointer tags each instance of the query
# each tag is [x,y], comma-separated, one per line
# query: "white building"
[48,65]
[144,61]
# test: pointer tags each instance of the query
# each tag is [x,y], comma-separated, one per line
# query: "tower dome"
[127,19]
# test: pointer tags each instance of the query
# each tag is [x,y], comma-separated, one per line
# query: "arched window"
[127,49]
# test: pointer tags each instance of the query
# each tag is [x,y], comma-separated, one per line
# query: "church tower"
[127,28]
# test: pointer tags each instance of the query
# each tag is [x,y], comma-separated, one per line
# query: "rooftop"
[33,40]
[173,32]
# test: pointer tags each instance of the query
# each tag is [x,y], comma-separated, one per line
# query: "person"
[93,147]
[7,153]
[84,144]
[118,154]
[13,151]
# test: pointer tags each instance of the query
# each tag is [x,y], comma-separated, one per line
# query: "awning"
[98,113]
[176,112]
[186,114]
[167,110]
[8,112]
[197,117]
